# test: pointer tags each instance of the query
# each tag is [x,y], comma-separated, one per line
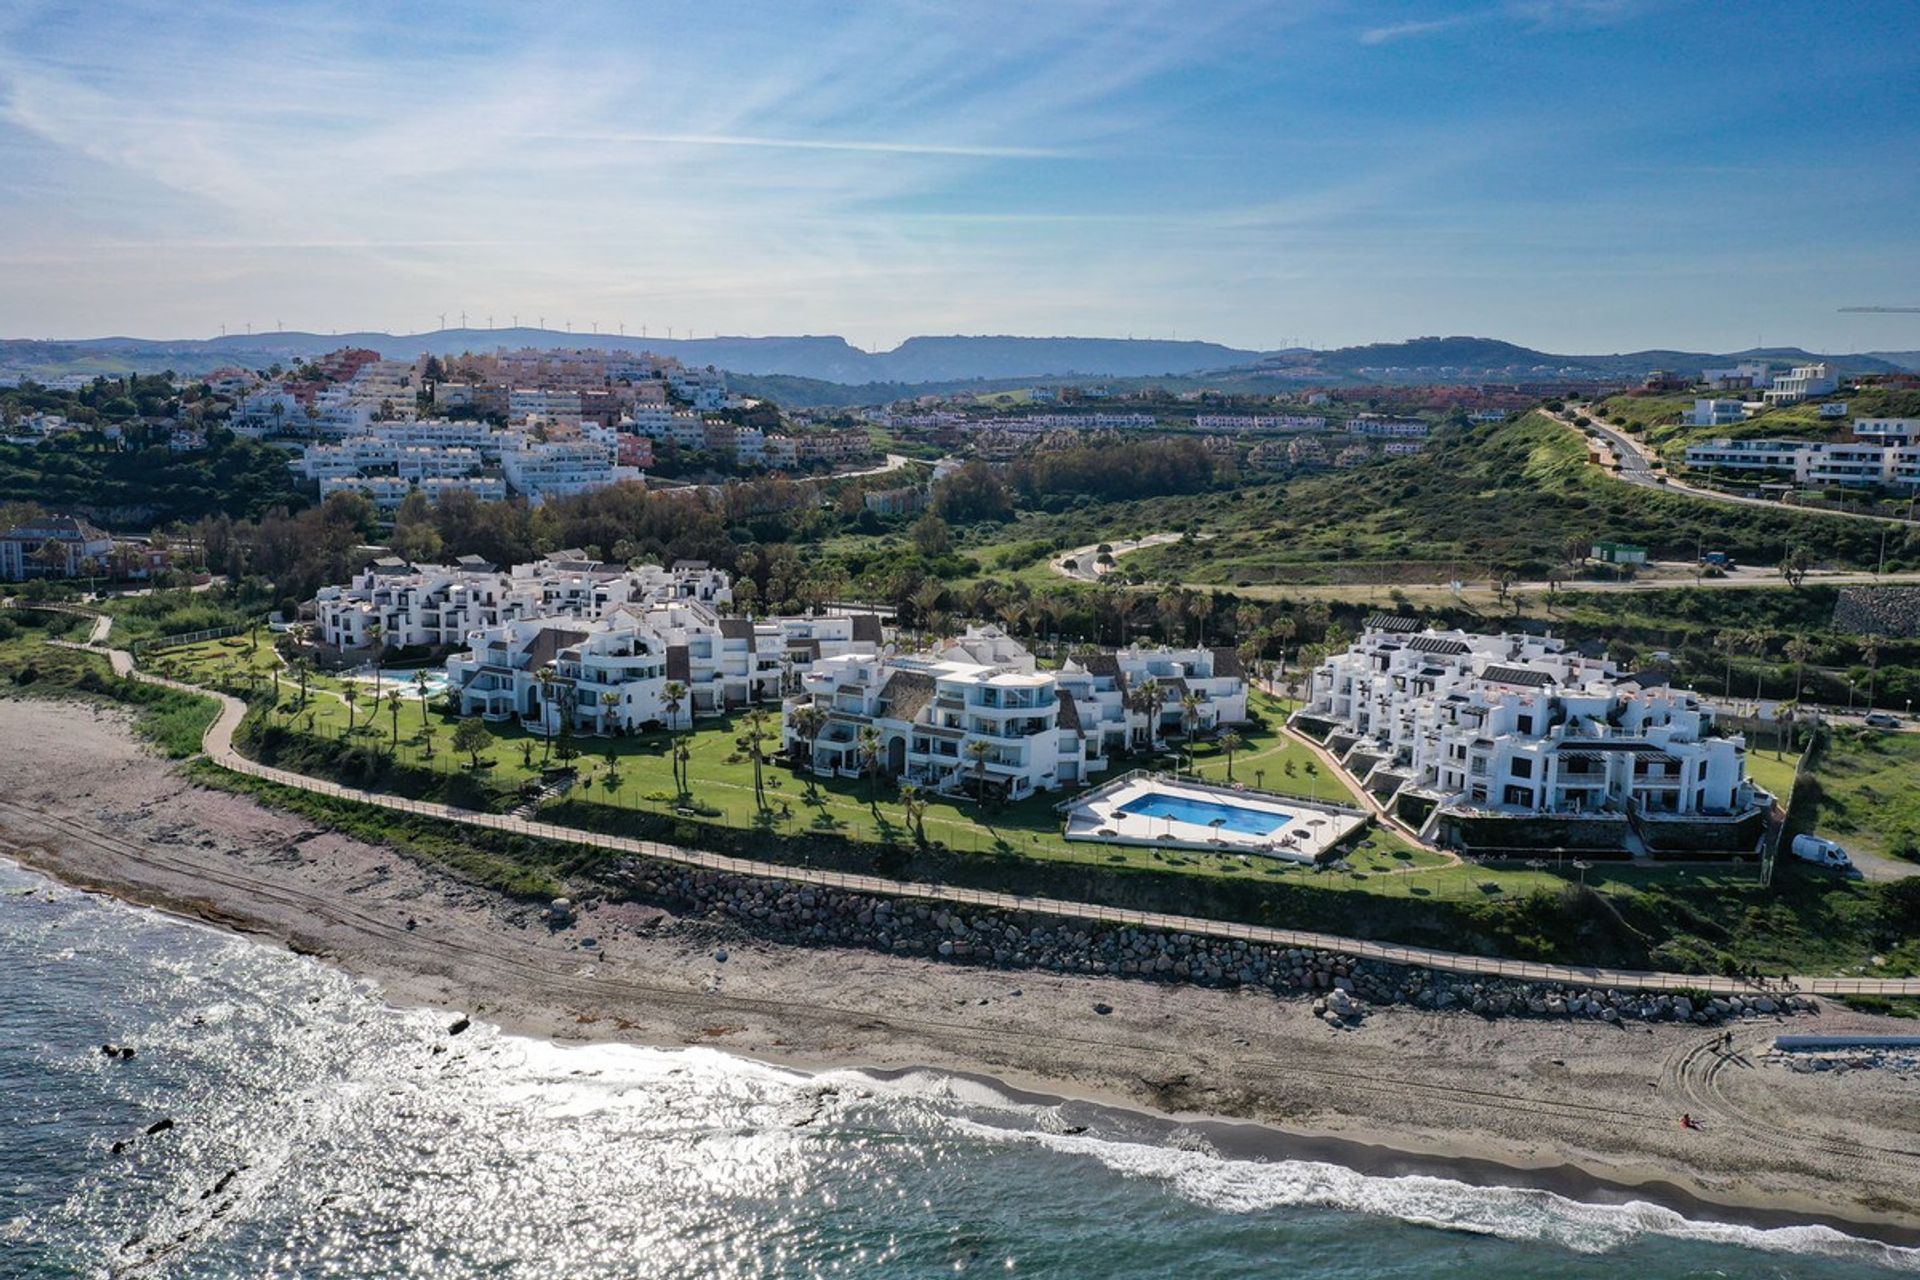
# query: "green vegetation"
[146,487]
[173,722]
[1865,792]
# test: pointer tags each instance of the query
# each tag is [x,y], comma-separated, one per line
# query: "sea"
[279,1119]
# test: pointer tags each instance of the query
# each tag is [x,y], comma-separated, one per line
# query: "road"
[1087,570]
[219,749]
[1636,467]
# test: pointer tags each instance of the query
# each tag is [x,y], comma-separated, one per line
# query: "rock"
[459,1025]
[1103,1009]
[160,1126]
[720,956]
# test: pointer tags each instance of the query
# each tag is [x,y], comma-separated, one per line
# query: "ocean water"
[319,1133]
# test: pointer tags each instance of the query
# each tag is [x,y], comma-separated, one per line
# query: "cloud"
[904,148]
[1406,30]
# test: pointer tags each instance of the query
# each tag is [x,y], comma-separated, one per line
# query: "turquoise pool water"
[1231,817]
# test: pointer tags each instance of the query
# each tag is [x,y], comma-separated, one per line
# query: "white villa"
[1523,725]
[978,708]
[438,605]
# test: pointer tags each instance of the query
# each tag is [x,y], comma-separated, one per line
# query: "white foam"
[1511,1213]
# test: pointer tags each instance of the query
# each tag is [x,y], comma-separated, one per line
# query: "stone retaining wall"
[1346,988]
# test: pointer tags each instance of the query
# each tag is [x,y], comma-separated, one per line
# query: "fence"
[157,644]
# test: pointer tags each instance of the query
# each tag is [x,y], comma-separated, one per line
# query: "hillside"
[1511,495]
[921,365]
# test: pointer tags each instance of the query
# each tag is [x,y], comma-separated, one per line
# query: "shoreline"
[1113,1118]
[1553,1107]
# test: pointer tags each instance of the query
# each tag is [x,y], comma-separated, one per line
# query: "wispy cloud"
[899,147]
[1406,30]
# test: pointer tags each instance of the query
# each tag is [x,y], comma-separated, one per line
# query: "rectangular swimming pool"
[1204,813]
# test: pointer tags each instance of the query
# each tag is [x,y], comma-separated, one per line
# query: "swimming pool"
[1204,813]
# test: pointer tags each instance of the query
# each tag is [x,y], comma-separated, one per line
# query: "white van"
[1825,853]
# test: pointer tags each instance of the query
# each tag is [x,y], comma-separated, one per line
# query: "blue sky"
[1578,175]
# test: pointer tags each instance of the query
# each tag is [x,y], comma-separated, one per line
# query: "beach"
[1584,1108]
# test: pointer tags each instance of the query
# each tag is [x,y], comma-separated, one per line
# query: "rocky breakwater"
[1345,988]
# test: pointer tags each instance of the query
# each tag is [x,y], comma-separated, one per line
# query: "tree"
[1230,742]
[1145,700]
[393,714]
[672,695]
[913,799]
[301,669]
[931,537]
[756,737]
[870,748]
[471,736]
[376,636]
[1799,649]
[609,707]
[547,678]
[1870,647]
[1728,643]
[1794,566]
[977,751]
[350,695]
[806,722]
[1190,704]
[1200,608]
[420,692]
[925,600]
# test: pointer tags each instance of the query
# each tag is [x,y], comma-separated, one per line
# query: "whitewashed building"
[1524,725]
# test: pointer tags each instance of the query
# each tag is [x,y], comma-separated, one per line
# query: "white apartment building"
[560,468]
[1238,422]
[978,713]
[1518,724]
[619,672]
[1717,413]
[704,389]
[1804,382]
[1816,462]
[1887,431]
[436,605]
[1369,424]
[548,405]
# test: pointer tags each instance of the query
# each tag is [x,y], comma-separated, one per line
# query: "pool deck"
[1310,833]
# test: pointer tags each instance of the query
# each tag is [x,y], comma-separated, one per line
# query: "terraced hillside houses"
[977,713]
[1522,726]
[1884,452]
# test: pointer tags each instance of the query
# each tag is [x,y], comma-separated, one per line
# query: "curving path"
[219,748]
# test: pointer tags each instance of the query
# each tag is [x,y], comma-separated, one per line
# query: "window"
[1525,724]
[1520,796]
[1521,768]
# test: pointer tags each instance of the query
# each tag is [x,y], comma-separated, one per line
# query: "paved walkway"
[219,748]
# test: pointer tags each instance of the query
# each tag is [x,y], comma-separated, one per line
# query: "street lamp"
[1582,866]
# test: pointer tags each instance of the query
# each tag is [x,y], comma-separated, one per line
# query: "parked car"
[1883,719]
[1824,853]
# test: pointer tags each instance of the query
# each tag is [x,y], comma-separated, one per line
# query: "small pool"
[1205,813]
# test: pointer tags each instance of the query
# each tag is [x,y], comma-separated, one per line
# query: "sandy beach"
[1585,1108]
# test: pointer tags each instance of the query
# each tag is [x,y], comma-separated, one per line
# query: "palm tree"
[1190,704]
[350,695]
[913,798]
[806,722]
[546,677]
[870,747]
[1728,643]
[609,705]
[393,714]
[1230,742]
[926,599]
[1870,647]
[1145,700]
[375,634]
[420,692]
[1757,647]
[756,738]
[301,668]
[1200,608]
[977,751]
[672,695]
[1799,649]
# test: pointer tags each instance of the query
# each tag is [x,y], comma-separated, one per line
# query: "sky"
[1575,175]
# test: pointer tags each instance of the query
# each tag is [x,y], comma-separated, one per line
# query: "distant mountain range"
[937,360]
